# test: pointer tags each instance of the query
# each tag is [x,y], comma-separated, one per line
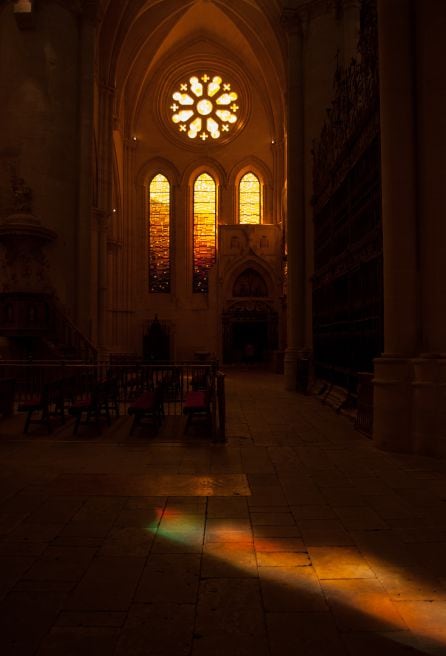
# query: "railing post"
[221,407]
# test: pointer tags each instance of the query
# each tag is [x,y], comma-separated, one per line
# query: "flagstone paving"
[295,537]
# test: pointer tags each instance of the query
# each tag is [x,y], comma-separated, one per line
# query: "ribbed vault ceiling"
[137,37]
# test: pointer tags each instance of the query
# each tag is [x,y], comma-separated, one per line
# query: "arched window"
[159,234]
[204,232]
[250,206]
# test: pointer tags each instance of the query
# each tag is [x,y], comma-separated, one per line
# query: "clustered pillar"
[410,376]
[295,214]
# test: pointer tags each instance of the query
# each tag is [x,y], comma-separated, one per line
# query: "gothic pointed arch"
[201,165]
[159,233]
[249,205]
[157,180]
[163,31]
[151,50]
[253,201]
[158,165]
[255,270]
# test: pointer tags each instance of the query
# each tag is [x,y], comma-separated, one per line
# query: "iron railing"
[77,379]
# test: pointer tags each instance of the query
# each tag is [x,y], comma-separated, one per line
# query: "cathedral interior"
[248,194]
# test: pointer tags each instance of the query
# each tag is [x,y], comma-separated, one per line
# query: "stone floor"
[296,537]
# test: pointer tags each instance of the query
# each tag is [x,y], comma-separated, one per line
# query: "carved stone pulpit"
[24,265]
[25,286]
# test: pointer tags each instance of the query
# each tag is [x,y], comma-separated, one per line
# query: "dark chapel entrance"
[249,333]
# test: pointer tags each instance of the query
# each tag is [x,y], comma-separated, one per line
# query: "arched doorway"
[249,332]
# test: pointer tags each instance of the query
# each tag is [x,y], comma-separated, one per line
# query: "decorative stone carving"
[23,264]
[250,284]
[356,96]
[250,308]
[22,195]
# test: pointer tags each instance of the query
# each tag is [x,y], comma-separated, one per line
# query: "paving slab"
[153,484]
[297,536]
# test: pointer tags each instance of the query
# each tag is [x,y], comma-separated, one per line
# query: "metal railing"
[77,379]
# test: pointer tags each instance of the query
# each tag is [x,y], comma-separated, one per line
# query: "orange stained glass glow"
[204,230]
[249,199]
[204,107]
[285,564]
[159,234]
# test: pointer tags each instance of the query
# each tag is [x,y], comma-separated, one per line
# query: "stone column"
[85,136]
[295,213]
[132,296]
[429,384]
[392,388]
[102,232]
[430,26]
[429,405]
[39,127]
[104,202]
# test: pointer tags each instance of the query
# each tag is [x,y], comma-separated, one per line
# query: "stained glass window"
[204,231]
[249,199]
[159,234]
[204,107]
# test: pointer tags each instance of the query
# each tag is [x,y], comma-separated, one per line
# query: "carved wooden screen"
[347,283]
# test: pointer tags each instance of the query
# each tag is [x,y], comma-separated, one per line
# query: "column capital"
[291,20]
[89,9]
[295,18]
[25,10]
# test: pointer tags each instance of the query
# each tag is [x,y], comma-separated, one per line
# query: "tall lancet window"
[250,206]
[204,232]
[159,234]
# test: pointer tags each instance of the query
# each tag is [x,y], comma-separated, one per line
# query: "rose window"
[204,107]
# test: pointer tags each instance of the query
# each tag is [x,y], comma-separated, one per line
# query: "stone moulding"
[25,225]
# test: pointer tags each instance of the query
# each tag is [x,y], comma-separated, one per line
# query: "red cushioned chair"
[44,407]
[95,405]
[197,403]
[148,406]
